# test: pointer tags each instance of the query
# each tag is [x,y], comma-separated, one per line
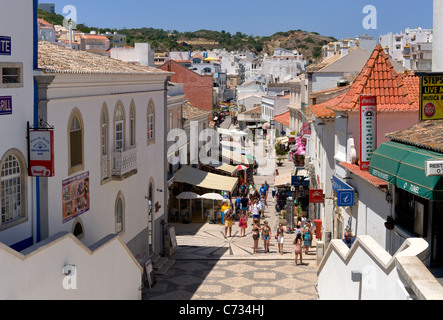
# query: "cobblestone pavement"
[209,266]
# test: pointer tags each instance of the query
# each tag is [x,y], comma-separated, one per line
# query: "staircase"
[162,265]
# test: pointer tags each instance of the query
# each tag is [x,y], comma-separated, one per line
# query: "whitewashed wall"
[384,277]
[106,272]
[17,22]
[88,94]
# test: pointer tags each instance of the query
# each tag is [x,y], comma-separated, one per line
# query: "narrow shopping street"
[209,266]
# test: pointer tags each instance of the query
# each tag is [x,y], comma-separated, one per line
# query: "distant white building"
[282,66]
[46,31]
[394,44]
[142,54]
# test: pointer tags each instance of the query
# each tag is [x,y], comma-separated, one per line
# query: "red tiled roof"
[355,169]
[283,118]
[94,36]
[394,93]
[322,110]
[44,22]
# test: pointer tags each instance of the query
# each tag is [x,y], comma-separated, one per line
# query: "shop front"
[212,189]
[417,196]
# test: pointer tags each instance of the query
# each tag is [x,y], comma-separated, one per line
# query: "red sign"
[368,130]
[316,196]
[41,153]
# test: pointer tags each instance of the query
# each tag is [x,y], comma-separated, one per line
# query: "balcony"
[124,162]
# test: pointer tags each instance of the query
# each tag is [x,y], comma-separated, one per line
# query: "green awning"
[404,166]
[386,160]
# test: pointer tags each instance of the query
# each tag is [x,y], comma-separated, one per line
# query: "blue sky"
[337,18]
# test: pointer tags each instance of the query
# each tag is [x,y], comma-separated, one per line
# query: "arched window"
[132,125]
[151,122]
[119,128]
[119,214]
[75,142]
[12,190]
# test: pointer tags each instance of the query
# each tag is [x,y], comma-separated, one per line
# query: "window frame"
[120,197]
[12,65]
[23,189]
[150,122]
[76,167]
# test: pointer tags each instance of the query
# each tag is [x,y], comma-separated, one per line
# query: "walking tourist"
[243,224]
[255,235]
[298,249]
[266,235]
[307,237]
[280,236]
[228,222]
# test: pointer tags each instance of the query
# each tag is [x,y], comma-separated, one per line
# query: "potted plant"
[279,162]
[390,223]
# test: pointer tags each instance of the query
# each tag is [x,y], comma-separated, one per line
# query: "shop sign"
[434,168]
[300,181]
[5,46]
[5,105]
[368,129]
[345,193]
[316,196]
[41,153]
[431,96]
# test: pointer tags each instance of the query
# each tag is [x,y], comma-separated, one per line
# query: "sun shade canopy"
[404,166]
[205,179]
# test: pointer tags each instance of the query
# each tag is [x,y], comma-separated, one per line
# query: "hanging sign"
[368,129]
[345,193]
[41,153]
[316,196]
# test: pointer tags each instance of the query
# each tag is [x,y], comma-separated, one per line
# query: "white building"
[274,106]
[141,54]
[109,134]
[395,44]
[17,59]
[282,66]
[437,45]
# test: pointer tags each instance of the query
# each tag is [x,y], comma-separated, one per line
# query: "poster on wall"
[75,196]
[431,96]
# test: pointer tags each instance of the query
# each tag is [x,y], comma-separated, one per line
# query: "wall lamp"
[389,197]
[341,116]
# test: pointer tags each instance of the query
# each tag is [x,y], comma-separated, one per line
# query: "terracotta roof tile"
[395,93]
[53,58]
[283,118]
[355,169]
[426,134]
[323,110]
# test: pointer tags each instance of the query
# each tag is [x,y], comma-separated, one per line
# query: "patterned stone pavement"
[209,266]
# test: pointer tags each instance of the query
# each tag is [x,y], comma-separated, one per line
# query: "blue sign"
[5,105]
[5,46]
[345,193]
[300,181]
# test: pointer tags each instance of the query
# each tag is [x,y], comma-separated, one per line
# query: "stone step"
[159,263]
[166,267]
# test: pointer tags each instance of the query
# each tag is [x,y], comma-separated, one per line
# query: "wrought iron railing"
[124,162]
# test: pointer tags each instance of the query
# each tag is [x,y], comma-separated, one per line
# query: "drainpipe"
[35,67]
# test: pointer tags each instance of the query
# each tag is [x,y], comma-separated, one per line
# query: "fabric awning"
[404,166]
[283,180]
[224,167]
[205,179]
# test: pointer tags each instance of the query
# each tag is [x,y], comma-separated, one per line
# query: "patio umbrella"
[186,195]
[213,197]
[242,167]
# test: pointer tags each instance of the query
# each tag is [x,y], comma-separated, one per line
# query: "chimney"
[345,48]
[407,56]
[330,50]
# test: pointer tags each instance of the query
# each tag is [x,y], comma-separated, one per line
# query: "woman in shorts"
[280,238]
[228,222]
[266,235]
[255,235]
